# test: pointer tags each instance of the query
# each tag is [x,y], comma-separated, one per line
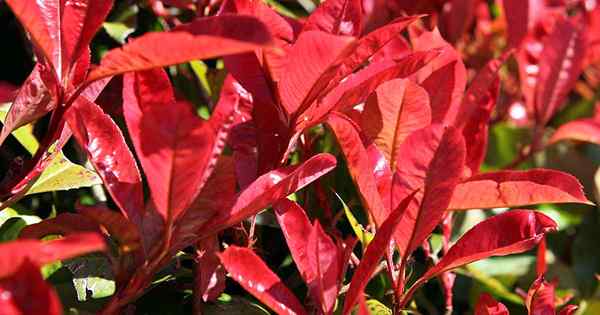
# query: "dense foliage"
[348,157]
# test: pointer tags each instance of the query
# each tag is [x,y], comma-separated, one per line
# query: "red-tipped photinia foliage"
[225,135]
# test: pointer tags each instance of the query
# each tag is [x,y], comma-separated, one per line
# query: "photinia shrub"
[247,156]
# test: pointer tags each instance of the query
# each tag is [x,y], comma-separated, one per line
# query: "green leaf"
[234,306]
[375,308]
[200,70]
[24,134]
[63,174]
[363,236]
[118,31]
[12,222]
[493,286]
[91,273]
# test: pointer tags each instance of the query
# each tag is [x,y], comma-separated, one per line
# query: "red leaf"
[445,87]
[26,293]
[568,310]
[12,254]
[587,130]
[308,59]
[269,188]
[377,247]
[296,228]
[42,20]
[8,92]
[325,261]
[218,194]
[516,13]
[456,17]
[359,165]
[201,39]
[358,86]
[367,46]
[34,100]
[486,305]
[479,89]
[178,165]
[435,170]
[80,21]
[253,274]
[63,224]
[100,137]
[540,297]
[396,109]
[210,275]
[475,130]
[560,65]
[517,188]
[444,78]
[511,232]
[337,17]
[119,228]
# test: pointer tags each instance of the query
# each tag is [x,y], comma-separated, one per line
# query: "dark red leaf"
[568,310]
[479,89]
[253,274]
[560,65]
[100,137]
[122,230]
[210,274]
[337,17]
[62,224]
[517,188]
[203,38]
[26,293]
[456,17]
[377,247]
[541,298]
[475,130]
[34,100]
[396,109]
[516,13]
[486,305]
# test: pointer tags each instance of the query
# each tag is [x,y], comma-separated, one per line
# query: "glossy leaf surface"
[517,188]
[203,38]
[251,272]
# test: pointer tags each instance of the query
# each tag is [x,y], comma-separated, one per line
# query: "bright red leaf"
[512,232]
[26,293]
[396,109]
[201,39]
[517,188]
[434,170]
[103,141]
[253,274]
